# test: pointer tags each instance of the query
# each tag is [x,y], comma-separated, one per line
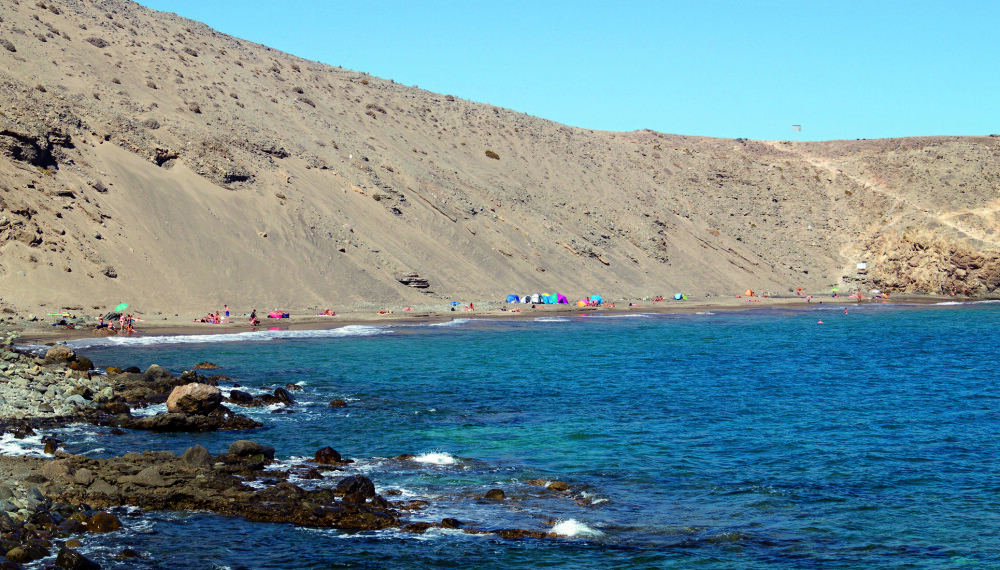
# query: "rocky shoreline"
[48,503]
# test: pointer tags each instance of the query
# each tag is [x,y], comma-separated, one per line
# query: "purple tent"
[561,299]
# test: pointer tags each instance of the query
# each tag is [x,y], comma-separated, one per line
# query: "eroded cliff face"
[922,262]
[148,157]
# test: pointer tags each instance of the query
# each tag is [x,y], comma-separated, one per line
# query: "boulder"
[206,366]
[70,559]
[338,404]
[327,456]
[157,371]
[103,522]
[240,397]
[57,469]
[59,353]
[247,448]
[496,494]
[81,363]
[150,477]
[194,399]
[356,484]
[83,477]
[284,397]
[197,456]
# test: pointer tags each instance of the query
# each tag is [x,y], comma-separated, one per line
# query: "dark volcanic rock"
[496,494]
[356,484]
[219,420]
[73,560]
[240,397]
[284,397]
[327,456]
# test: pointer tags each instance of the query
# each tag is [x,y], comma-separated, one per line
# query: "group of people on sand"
[215,318]
[125,324]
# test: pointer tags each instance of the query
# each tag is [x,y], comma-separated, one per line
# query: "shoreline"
[183,325]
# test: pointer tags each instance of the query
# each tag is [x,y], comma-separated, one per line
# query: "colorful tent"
[561,299]
[596,299]
[513,299]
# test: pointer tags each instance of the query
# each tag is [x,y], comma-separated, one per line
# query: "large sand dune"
[148,158]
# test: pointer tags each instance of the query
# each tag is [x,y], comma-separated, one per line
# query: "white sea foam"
[150,410]
[592,498]
[451,323]
[31,445]
[551,319]
[573,527]
[247,336]
[436,458]
[982,302]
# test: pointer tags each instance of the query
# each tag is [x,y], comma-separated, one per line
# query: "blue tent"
[513,299]
[596,299]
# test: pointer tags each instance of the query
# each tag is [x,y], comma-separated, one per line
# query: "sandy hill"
[148,158]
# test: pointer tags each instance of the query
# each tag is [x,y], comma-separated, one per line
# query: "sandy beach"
[43,331]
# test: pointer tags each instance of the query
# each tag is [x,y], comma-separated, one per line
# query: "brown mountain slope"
[148,158]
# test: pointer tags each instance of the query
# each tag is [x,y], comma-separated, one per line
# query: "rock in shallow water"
[198,399]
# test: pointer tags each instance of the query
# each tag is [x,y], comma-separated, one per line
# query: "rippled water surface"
[739,439]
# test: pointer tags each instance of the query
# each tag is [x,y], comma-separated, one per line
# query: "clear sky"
[842,69]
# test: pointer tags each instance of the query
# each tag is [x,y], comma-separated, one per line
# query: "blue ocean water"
[754,439]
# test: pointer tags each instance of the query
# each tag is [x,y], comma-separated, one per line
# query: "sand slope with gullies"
[150,159]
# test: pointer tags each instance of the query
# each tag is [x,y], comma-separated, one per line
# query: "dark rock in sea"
[293,387]
[356,484]
[70,559]
[338,404]
[311,474]
[80,363]
[132,370]
[196,399]
[127,554]
[496,494]
[560,486]
[103,522]
[450,523]
[327,456]
[221,419]
[240,397]
[284,397]
[520,533]
[206,366]
[418,527]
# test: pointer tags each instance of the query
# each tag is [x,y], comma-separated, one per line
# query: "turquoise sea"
[736,439]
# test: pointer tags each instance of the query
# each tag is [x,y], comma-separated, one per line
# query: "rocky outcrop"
[919,262]
[220,484]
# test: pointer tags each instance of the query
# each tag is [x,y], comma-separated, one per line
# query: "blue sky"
[841,69]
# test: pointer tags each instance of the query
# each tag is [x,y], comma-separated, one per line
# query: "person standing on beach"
[227,314]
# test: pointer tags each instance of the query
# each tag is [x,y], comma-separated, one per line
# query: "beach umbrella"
[454,303]
[121,306]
